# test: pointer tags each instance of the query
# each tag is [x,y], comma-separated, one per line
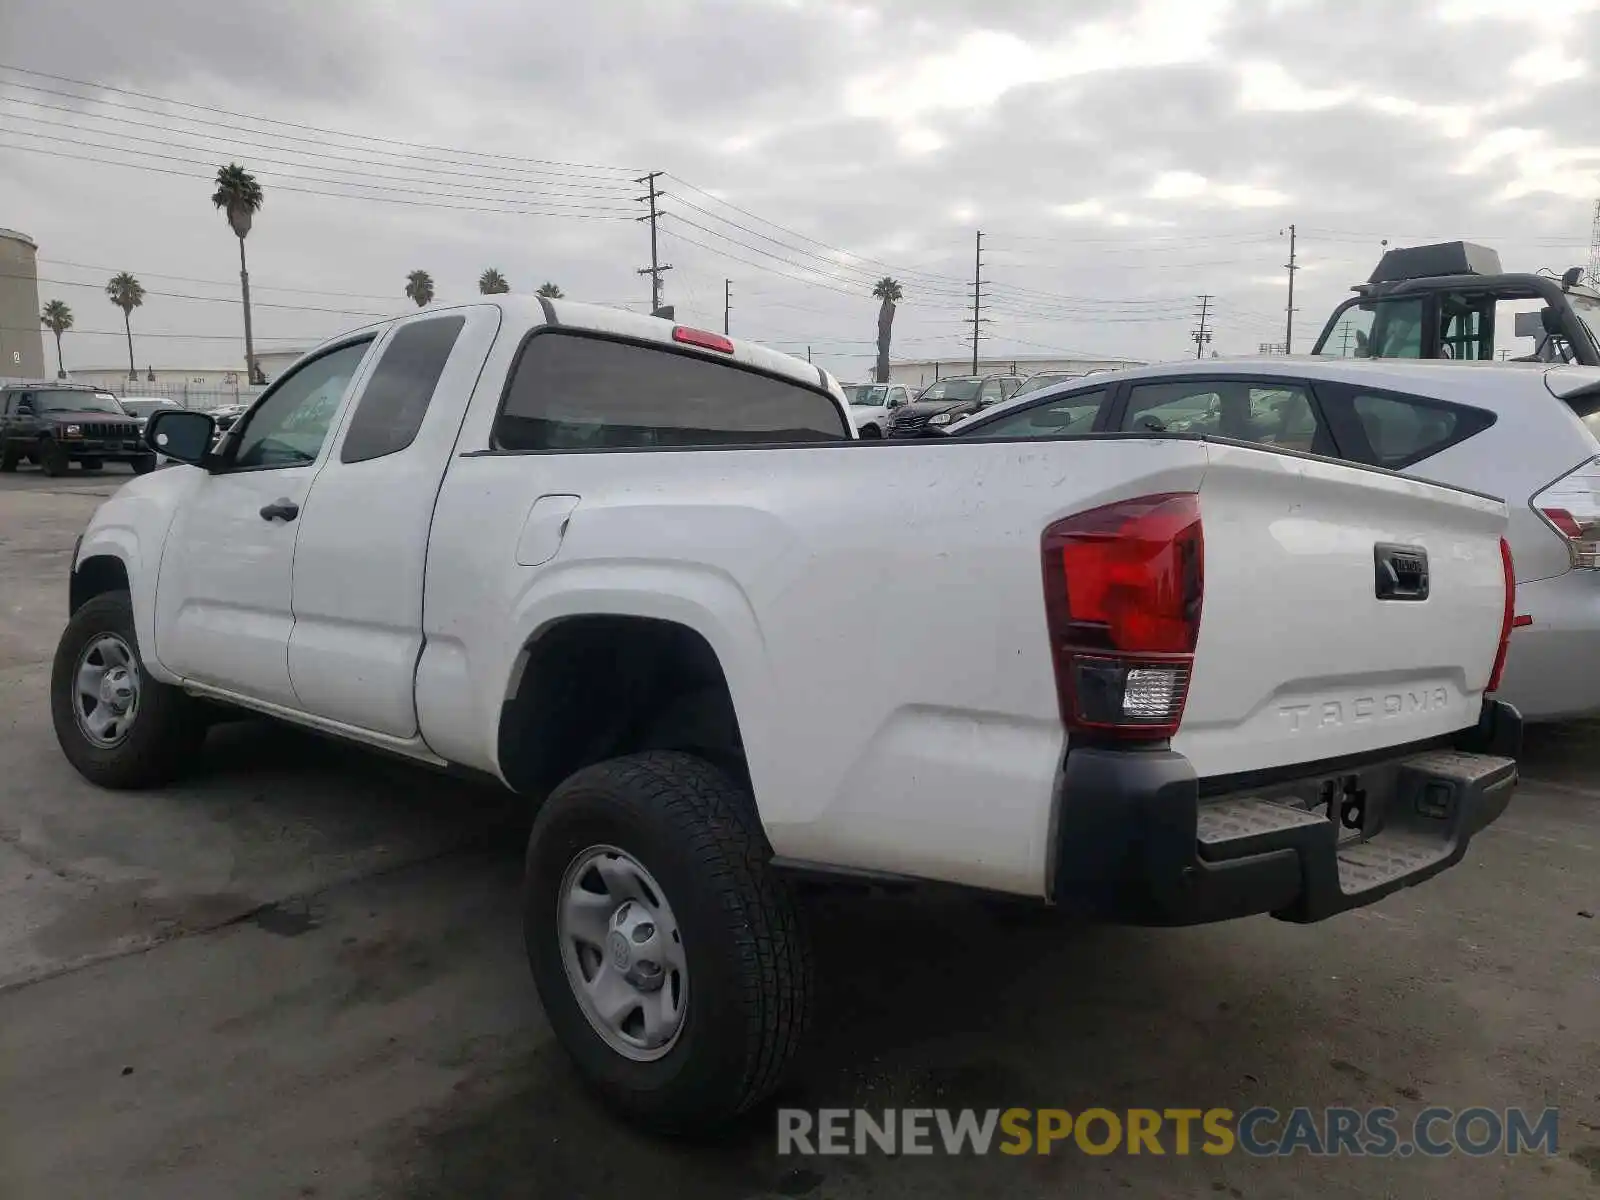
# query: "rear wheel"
[667,953]
[52,457]
[116,725]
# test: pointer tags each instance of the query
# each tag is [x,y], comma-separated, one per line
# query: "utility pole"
[1594,248]
[1288,312]
[1347,333]
[808,353]
[1201,336]
[977,297]
[727,304]
[656,265]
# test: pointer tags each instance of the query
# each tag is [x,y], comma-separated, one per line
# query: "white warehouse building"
[921,372]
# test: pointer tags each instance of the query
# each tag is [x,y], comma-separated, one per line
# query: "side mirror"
[24,408]
[181,435]
[1551,320]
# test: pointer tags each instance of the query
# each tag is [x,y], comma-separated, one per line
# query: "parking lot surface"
[299,974]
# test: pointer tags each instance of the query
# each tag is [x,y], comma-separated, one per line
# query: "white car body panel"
[930,748]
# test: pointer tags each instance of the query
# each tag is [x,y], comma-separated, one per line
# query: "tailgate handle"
[1400,572]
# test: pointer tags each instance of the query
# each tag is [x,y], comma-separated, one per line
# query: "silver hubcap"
[106,690]
[623,953]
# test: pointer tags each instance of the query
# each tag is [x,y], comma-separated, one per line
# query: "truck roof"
[521,314]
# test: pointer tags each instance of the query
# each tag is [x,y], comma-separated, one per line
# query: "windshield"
[77,402]
[1588,310]
[876,394]
[951,389]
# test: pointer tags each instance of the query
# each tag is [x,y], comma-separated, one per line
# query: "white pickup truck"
[618,565]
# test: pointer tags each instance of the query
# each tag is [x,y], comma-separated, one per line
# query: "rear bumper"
[1549,675]
[1136,840]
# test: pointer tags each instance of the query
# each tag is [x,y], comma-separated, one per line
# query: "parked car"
[140,408]
[946,401]
[873,405]
[1044,379]
[226,414]
[1527,432]
[56,425]
[580,552]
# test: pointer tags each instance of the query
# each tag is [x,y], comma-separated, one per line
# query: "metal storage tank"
[21,343]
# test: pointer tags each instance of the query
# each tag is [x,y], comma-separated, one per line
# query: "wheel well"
[592,688]
[94,577]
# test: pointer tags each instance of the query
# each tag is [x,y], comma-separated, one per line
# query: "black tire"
[144,464]
[9,457]
[871,431]
[52,458]
[167,729]
[93,464]
[749,967]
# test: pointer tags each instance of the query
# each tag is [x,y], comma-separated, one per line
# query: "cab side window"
[288,428]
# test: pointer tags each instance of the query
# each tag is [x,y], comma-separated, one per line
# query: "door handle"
[281,509]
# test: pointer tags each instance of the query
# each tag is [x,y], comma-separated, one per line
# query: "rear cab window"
[396,397]
[578,391]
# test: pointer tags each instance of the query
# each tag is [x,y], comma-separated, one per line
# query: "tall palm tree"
[57,317]
[550,291]
[419,287]
[239,195]
[888,291]
[492,283]
[127,293]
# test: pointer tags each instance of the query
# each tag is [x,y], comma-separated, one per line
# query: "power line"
[410,189]
[597,190]
[292,125]
[287,187]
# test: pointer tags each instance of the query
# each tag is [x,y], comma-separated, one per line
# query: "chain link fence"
[202,397]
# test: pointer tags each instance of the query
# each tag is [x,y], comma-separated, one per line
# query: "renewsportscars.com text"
[1258,1132]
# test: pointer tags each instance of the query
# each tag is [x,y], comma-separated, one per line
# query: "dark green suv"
[56,426]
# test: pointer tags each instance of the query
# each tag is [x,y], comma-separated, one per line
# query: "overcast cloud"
[1121,158]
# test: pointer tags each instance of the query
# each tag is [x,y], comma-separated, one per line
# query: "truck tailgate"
[1299,659]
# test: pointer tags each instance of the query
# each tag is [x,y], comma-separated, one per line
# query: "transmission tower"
[1594,247]
[1202,336]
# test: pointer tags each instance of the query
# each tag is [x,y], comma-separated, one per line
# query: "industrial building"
[21,343]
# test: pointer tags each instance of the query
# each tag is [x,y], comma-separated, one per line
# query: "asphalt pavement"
[299,974]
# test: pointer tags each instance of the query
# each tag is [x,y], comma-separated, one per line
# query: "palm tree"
[239,195]
[550,291]
[127,293]
[888,291]
[419,287]
[57,317]
[492,283]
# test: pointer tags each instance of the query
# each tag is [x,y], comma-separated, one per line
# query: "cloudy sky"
[1121,157]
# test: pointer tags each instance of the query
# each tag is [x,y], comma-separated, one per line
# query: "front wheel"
[870,432]
[52,458]
[667,953]
[118,727]
[9,457]
[144,464]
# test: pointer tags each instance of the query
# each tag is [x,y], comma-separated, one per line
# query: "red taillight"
[1122,587]
[1571,507]
[702,338]
[1508,620]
